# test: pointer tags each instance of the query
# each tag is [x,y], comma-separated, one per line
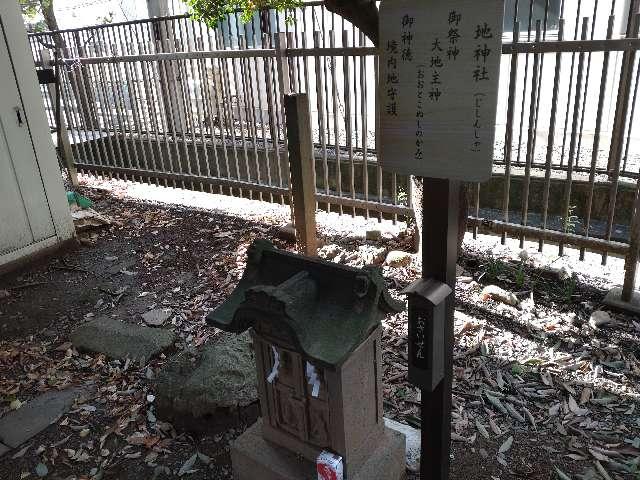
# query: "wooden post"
[64,146]
[440,205]
[303,191]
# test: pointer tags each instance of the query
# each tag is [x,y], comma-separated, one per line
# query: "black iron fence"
[171,101]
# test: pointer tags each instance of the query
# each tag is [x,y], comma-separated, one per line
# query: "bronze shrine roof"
[326,309]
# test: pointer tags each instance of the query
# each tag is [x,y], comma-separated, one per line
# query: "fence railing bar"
[333,52]
[573,46]
[592,243]
[173,55]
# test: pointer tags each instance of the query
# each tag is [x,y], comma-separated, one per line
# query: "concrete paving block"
[20,425]
[121,340]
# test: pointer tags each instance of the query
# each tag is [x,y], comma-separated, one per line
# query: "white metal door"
[25,216]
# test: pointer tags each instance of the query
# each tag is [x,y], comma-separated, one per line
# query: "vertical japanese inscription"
[480,74]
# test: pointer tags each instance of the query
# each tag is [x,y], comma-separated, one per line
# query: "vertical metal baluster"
[552,136]
[223,100]
[574,133]
[118,100]
[631,119]
[321,117]
[347,106]
[178,69]
[535,76]
[108,118]
[508,139]
[363,122]
[207,110]
[248,86]
[524,85]
[227,80]
[622,107]
[163,67]
[270,122]
[336,131]
[100,147]
[573,61]
[200,102]
[596,137]
[586,86]
[66,108]
[156,114]
[131,74]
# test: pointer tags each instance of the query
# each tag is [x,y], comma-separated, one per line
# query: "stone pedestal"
[253,457]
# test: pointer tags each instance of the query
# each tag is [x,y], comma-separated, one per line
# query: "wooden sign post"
[438,85]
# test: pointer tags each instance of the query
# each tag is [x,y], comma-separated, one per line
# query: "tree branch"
[361,13]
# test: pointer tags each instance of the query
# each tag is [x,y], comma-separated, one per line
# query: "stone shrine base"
[254,458]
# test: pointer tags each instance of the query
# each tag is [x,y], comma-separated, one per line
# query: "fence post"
[64,146]
[627,298]
[303,191]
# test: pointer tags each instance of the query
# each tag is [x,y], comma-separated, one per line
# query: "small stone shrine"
[316,329]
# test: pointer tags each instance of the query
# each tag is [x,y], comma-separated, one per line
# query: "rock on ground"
[121,340]
[214,392]
[397,258]
[20,425]
[600,318]
[157,317]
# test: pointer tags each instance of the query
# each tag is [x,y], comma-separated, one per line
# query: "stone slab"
[613,299]
[253,457]
[20,425]
[216,391]
[121,340]
[412,445]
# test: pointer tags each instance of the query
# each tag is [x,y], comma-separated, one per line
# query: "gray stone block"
[216,391]
[121,340]
[20,425]
[253,457]
[614,300]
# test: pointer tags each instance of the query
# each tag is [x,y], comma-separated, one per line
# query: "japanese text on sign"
[440,64]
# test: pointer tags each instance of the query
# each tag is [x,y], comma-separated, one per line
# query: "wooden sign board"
[438,86]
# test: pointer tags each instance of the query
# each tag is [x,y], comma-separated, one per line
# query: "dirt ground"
[537,391]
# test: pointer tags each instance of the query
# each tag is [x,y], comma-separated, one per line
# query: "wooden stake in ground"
[303,191]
